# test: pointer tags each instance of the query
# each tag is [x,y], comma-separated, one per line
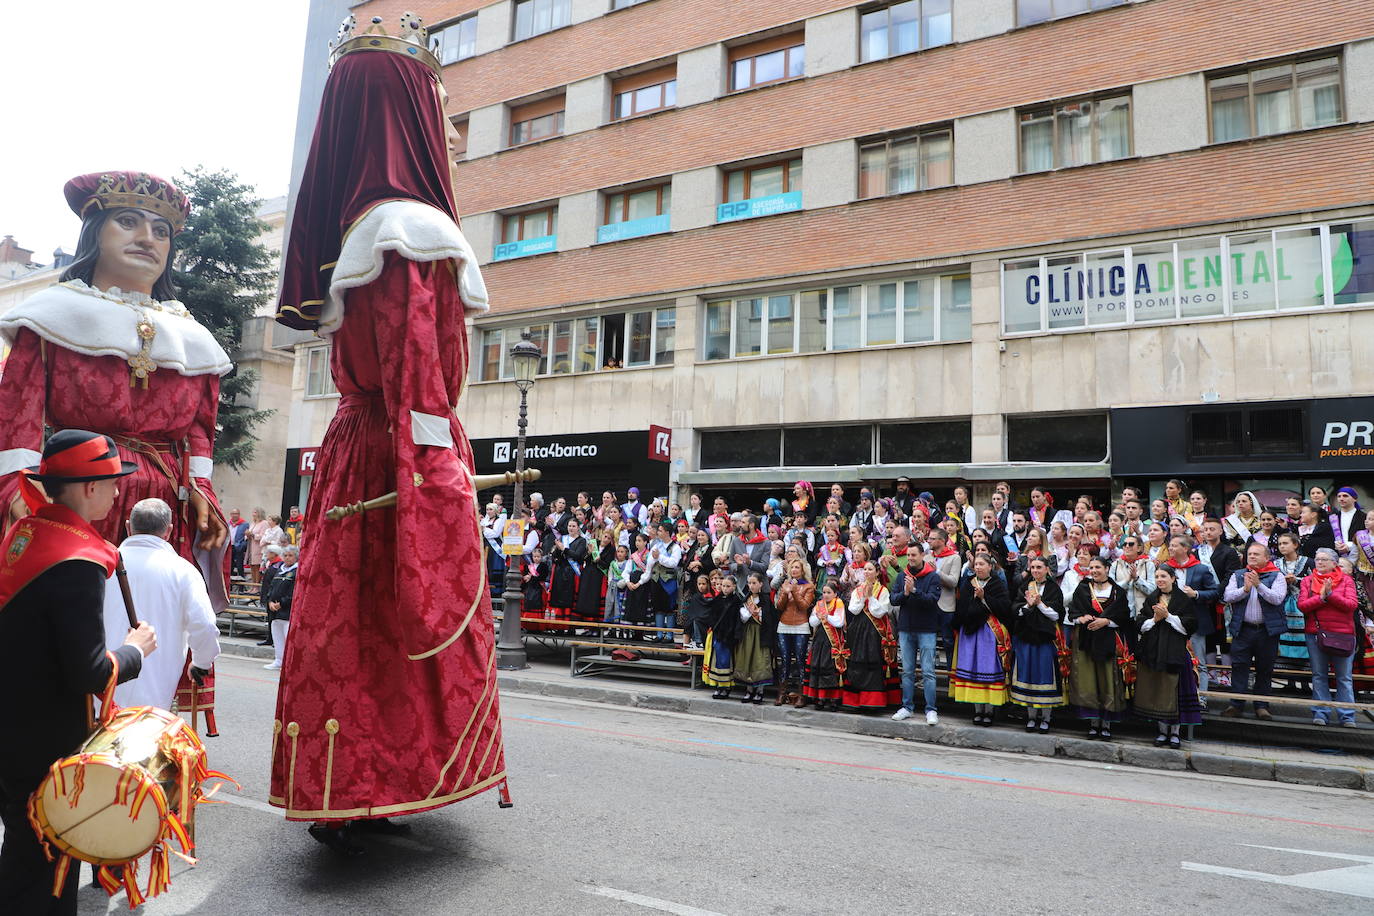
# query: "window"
[933,442]
[827,446]
[769,61]
[1029,12]
[901,28]
[535,17]
[1243,273]
[561,348]
[741,448]
[536,120]
[319,382]
[493,345]
[641,93]
[623,206]
[588,338]
[460,124]
[533,224]
[1248,432]
[1057,438]
[763,180]
[1276,97]
[913,310]
[456,41]
[1075,133]
[665,323]
[897,165]
[624,4]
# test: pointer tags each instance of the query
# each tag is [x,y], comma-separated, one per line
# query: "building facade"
[960,240]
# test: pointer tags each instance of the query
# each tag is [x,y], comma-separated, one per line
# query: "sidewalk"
[1251,759]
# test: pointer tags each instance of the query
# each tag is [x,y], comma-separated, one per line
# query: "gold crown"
[413,40]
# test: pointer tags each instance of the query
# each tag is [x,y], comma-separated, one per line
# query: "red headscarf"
[380,136]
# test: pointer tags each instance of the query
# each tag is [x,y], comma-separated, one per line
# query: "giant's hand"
[212,530]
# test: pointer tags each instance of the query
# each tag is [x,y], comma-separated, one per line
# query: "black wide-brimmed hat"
[76,456]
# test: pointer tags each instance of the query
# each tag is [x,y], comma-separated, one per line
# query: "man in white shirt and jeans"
[169,593]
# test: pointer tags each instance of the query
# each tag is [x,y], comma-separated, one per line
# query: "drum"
[119,795]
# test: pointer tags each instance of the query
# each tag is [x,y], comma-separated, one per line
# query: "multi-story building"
[961,240]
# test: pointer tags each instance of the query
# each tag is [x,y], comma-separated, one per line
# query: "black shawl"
[1032,625]
[1099,644]
[1163,648]
[970,614]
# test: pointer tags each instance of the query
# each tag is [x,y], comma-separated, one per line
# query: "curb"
[961,736]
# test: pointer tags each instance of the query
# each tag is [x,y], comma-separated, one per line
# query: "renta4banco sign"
[1192,278]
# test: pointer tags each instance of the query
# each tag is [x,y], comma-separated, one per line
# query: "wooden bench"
[599,660]
[237,612]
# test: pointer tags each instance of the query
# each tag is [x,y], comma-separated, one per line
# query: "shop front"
[594,462]
[1275,448]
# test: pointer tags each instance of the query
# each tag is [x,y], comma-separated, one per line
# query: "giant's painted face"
[134,247]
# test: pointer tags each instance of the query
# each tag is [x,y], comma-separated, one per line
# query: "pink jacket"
[1336,614]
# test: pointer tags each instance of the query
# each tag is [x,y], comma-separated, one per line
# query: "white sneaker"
[932,718]
[273,667]
[901,714]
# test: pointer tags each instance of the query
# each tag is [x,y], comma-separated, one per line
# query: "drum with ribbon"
[125,793]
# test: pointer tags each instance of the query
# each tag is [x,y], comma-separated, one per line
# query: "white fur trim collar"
[417,232]
[105,323]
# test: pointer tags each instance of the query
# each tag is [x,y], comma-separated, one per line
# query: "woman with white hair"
[1327,599]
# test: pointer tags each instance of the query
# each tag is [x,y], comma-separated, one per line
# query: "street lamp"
[510,647]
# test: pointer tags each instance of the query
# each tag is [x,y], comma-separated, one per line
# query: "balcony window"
[901,28]
[1276,97]
[911,163]
[456,41]
[769,61]
[1074,133]
[535,17]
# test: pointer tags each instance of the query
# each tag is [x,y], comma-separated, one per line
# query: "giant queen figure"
[109,349]
[387,703]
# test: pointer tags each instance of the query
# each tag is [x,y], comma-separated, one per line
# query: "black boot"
[384,826]
[337,839]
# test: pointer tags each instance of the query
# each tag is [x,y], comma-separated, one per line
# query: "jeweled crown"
[412,40]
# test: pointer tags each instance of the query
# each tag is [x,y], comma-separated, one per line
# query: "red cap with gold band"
[108,190]
[75,456]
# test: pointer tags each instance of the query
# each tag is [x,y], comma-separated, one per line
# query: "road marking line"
[1354,881]
[964,775]
[653,903]
[1093,796]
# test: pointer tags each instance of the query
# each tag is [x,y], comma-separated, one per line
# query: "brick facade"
[1231,182]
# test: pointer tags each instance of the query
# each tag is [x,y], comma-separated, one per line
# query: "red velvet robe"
[76,391]
[388,703]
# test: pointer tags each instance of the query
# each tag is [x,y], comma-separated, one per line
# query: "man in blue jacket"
[916,596]
[1256,594]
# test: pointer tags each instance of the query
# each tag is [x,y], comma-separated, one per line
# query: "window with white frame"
[900,28]
[1253,272]
[455,41]
[319,381]
[535,17]
[1029,12]
[921,309]
[644,337]
[1077,132]
[1275,97]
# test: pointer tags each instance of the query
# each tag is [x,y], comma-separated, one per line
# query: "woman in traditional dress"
[758,631]
[568,556]
[1035,546]
[804,502]
[828,658]
[833,557]
[872,680]
[1097,686]
[591,587]
[1244,521]
[1037,681]
[1294,567]
[535,579]
[1157,542]
[718,664]
[637,590]
[1268,533]
[982,640]
[1314,530]
[1166,684]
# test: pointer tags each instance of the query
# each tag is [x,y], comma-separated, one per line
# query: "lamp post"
[510,647]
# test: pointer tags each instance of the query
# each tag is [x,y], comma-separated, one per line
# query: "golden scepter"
[386,500]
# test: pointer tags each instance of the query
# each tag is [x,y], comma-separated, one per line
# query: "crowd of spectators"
[1109,611]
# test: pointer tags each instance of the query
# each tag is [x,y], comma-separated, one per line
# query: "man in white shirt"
[169,593]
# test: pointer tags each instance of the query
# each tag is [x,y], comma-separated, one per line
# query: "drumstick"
[123,575]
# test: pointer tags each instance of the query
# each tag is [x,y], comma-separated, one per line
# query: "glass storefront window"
[811,316]
[956,308]
[882,314]
[1152,282]
[918,310]
[748,326]
[1200,278]
[846,321]
[780,324]
[1250,272]
[588,336]
[641,339]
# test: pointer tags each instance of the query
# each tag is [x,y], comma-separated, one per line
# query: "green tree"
[223,273]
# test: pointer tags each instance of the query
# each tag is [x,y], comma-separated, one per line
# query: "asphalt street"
[626,811]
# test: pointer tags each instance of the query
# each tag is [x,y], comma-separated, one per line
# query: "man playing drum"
[53,567]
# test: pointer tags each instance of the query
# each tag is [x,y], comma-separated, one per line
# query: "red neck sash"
[40,541]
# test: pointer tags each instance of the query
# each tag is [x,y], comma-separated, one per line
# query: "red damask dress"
[388,701]
[69,368]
